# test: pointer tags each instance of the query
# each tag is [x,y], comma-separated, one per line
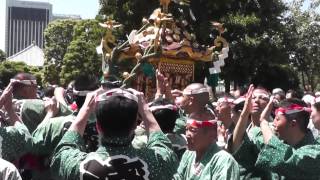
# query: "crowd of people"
[97,130]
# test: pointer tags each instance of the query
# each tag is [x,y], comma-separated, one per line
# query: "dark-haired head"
[293,94]
[25,91]
[291,121]
[117,116]
[84,83]
[49,92]
[166,117]
[301,117]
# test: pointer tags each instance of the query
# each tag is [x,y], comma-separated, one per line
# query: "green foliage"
[9,69]
[242,20]
[129,13]
[58,36]
[71,49]
[90,30]
[303,41]
[81,56]
[275,76]
[255,31]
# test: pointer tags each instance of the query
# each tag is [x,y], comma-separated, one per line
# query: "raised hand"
[90,101]
[6,100]
[160,82]
[79,124]
[146,115]
[264,125]
[267,110]
[52,107]
[6,97]
[248,103]
[222,136]
[241,125]
[142,105]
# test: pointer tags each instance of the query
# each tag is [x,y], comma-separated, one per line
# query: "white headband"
[117,92]
[80,93]
[25,82]
[263,95]
[197,91]
[225,99]
[239,100]
[160,107]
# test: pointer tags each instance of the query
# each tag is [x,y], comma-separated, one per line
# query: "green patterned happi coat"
[14,141]
[116,158]
[48,135]
[216,164]
[278,160]
[179,142]
[32,112]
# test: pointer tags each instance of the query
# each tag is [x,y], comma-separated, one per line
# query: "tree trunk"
[303,81]
[227,85]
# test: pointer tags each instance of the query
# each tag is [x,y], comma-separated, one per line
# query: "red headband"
[294,108]
[201,124]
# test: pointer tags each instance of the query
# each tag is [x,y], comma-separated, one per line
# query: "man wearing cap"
[50,131]
[282,153]
[116,158]
[204,159]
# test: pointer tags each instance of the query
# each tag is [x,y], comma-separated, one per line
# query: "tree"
[285,77]
[129,13]
[58,37]
[303,41]
[81,56]
[9,69]
[254,29]
[2,56]
[256,35]
[71,49]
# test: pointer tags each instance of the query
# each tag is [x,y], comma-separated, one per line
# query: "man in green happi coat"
[204,159]
[116,158]
[15,139]
[288,152]
[31,110]
[50,131]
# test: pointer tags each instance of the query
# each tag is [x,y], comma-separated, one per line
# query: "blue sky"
[85,8]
